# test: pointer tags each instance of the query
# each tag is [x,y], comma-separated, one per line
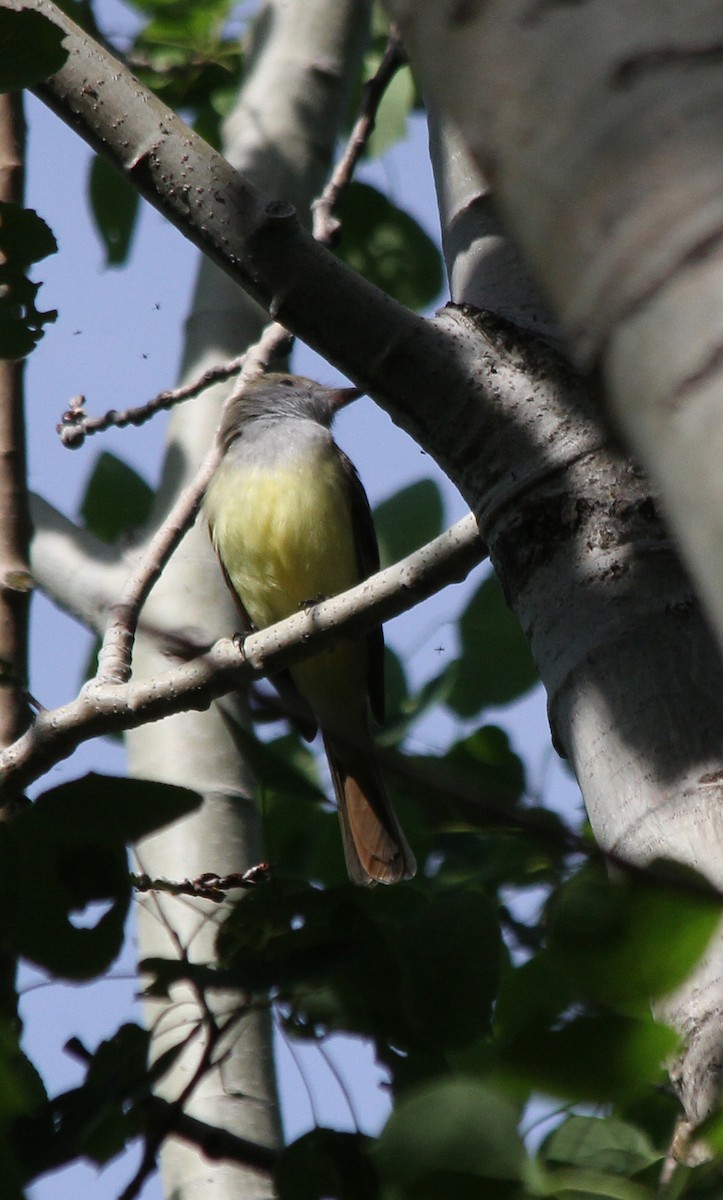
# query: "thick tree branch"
[407,364]
[607,170]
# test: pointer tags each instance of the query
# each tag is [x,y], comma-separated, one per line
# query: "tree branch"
[104,708]
[114,658]
[15,579]
[406,363]
[75,425]
[326,226]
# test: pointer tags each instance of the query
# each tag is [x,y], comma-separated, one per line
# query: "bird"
[291,524]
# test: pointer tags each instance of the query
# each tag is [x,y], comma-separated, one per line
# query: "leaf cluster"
[510,970]
[63,856]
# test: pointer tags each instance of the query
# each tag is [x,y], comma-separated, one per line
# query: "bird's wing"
[367,556]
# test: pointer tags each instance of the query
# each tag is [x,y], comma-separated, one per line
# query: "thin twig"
[214,1031]
[341,1083]
[275,339]
[114,658]
[326,224]
[170,1114]
[208,886]
[75,426]
[216,1143]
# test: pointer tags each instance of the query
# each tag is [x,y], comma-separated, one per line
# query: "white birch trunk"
[598,126]
[281,134]
[634,679]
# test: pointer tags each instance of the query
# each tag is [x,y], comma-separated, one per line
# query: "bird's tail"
[375,848]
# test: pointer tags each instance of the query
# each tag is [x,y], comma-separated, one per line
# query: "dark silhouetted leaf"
[97,1119]
[326,1163]
[117,500]
[68,851]
[24,240]
[409,519]
[391,963]
[31,49]
[115,206]
[450,967]
[602,1057]
[389,248]
[495,666]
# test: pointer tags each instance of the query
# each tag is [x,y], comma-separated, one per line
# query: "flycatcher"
[291,524]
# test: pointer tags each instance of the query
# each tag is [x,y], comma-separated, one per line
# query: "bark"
[223,668]
[633,676]
[598,126]
[15,579]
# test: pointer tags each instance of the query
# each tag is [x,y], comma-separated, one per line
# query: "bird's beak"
[343,396]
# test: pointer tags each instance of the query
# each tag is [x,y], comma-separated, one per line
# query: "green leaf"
[572,1183]
[413,706]
[607,934]
[184,19]
[389,248]
[481,767]
[117,500]
[31,49]
[24,239]
[68,850]
[409,519]
[391,121]
[486,756]
[326,1163]
[600,1144]
[115,206]
[531,998]
[450,968]
[391,963]
[457,1137]
[601,1057]
[21,1088]
[196,73]
[301,832]
[495,665]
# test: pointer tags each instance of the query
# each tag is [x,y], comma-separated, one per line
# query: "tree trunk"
[633,675]
[282,133]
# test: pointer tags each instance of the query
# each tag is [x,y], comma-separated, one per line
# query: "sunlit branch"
[104,707]
[326,225]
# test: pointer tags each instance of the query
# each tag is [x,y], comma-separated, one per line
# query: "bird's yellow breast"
[284,535]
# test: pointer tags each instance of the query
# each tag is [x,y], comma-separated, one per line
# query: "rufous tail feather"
[375,847]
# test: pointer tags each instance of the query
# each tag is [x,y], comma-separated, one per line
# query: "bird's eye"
[287,381]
